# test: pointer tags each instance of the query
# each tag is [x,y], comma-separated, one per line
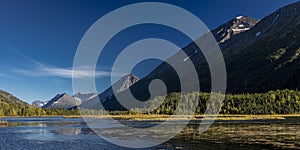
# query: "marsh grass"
[154,117]
[282,135]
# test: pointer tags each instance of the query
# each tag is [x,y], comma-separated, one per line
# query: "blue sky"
[38,39]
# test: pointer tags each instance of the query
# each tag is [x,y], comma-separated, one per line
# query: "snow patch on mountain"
[239,30]
[258,33]
[39,104]
[277,16]
[241,25]
[233,27]
[239,17]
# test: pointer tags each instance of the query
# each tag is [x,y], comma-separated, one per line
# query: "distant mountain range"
[260,55]
[38,103]
[66,101]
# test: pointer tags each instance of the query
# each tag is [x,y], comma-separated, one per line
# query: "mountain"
[86,99]
[223,34]
[38,103]
[85,96]
[11,105]
[166,73]
[123,84]
[62,101]
[267,56]
[233,27]
[65,101]
[262,58]
[9,99]
[259,56]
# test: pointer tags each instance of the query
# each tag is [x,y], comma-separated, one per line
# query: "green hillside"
[12,106]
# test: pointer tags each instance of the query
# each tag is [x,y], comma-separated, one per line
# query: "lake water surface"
[62,133]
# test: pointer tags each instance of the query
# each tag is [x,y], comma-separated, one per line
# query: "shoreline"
[185,117]
[149,117]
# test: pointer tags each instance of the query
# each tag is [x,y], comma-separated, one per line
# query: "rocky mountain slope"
[85,96]
[267,56]
[259,56]
[123,84]
[62,101]
[233,27]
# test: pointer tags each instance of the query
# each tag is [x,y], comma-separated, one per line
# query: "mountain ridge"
[123,84]
[8,98]
[233,27]
[262,58]
[67,101]
[62,101]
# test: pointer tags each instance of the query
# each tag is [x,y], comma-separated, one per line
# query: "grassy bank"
[149,117]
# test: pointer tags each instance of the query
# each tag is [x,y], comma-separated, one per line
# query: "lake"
[68,133]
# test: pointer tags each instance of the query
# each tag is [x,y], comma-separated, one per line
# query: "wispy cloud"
[3,75]
[24,56]
[41,70]
[62,72]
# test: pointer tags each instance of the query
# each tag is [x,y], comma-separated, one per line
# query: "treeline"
[12,109]
[273,102]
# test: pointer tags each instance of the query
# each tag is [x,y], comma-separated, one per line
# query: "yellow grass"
[151,117]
